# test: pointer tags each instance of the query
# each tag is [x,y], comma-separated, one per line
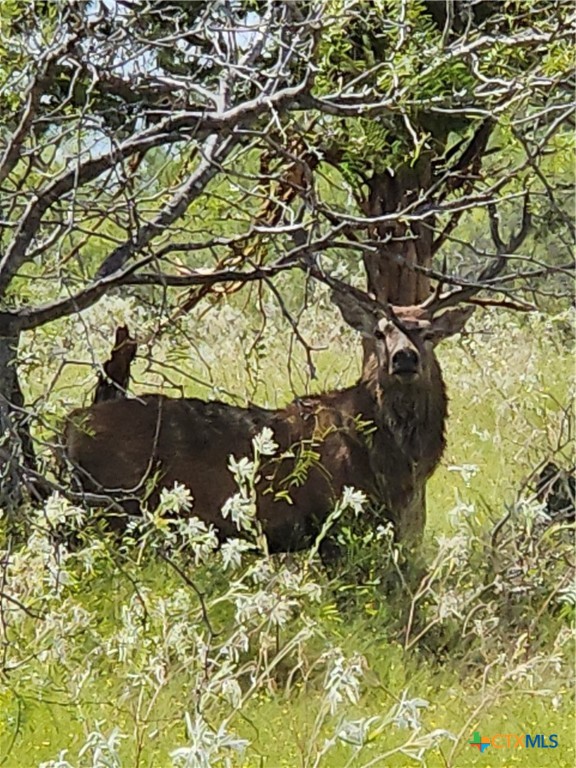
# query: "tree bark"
[390,277]
[389,274]
[16,447]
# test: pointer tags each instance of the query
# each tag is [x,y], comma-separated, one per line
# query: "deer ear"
[355,314]
[450,322]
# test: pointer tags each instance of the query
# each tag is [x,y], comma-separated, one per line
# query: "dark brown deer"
[384,435]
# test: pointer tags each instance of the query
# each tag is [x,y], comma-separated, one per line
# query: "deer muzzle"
[405,363]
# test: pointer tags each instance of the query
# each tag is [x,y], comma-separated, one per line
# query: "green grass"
[509,406]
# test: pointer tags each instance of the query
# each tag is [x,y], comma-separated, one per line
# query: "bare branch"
[34,92]
[207,169]
[170,130]
[517,306]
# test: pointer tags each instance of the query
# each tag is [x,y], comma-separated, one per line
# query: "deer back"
[384,436]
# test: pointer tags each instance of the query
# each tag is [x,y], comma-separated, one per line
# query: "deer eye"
[378,334]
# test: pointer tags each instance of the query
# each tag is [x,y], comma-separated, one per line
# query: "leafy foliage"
[161,648]
[156,158]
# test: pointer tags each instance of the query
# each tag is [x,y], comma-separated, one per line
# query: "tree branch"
[170,130]
[175,208]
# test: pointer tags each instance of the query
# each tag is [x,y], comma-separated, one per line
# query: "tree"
[189,145]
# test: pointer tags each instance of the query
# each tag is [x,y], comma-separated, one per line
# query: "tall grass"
[165,651]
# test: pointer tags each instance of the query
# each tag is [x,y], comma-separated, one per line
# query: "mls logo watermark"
[514,741]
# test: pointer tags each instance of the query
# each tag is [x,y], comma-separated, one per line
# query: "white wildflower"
[454,549]
[281,610]
[385,532]
[460,513]
[484,627]
[201,538]
[298,583]
[104,748]
[449,604]
[129,638]
[237,645]
[246,608]
[180,638]
[264,444]
[176,499]
[531,511]
[231,553]
[261,572]
[89,556]
[241,510]
[312,591]
[353,499]
[59,511]
[243,469]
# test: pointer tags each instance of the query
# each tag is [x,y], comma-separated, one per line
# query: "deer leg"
[410,521]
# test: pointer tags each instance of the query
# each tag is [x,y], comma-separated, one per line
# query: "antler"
[439,301]
[366,300]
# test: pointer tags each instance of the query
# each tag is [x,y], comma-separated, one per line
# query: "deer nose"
[405,361]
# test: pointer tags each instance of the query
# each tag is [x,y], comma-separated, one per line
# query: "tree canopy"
[194,145]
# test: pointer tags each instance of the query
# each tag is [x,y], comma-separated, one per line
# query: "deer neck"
[411,414]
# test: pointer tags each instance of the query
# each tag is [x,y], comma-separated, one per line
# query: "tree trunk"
[390,277]
[16,448]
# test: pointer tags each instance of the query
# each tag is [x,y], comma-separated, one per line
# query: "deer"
[384,435]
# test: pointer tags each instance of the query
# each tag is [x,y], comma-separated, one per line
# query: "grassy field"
[120,660]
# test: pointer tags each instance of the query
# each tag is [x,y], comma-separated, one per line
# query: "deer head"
[403,337]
